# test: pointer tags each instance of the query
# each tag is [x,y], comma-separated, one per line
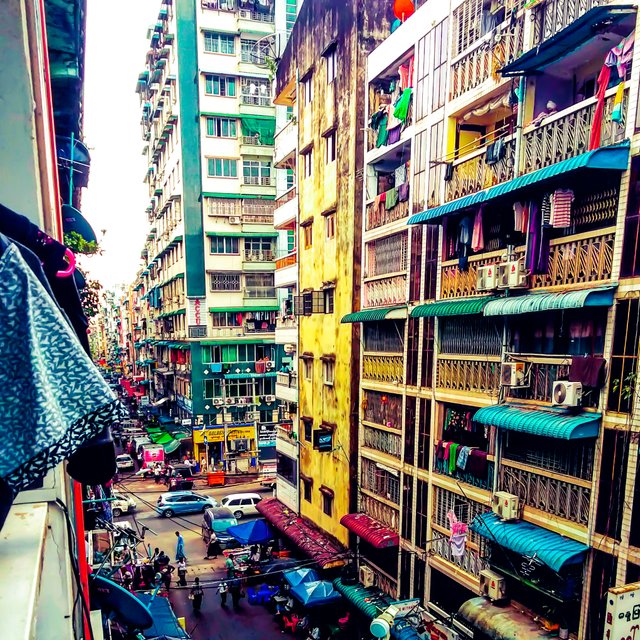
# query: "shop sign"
[323,440]
[196,312]
[267,436]
[217,434]
[144,401]
[622,618]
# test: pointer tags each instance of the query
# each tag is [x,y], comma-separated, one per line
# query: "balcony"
[379,215]
[471,562]
[566,134]
[567,498]
[287,386]
[385,291]
[251,146]
[258,260]
[257,218]
[286,212]
[287,261]
[257,181]
[388,369]
[287,331]
[287,270]
[255,101]
[471,173]
[379,511]
[442,467]
[261,296]
[286,142]
[382,441]
[578,259]
[468,374]
[552,16]
[479,64]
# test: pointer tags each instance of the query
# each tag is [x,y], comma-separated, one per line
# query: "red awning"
[370,530]
[306,535]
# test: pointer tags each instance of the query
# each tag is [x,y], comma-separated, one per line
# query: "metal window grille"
[387,255]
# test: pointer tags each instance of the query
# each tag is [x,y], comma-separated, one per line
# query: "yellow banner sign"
[217,435]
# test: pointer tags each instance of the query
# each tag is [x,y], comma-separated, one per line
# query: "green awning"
[368,600]
[262,129]
[235,196]
[536,302]
[246,376]
[242,309]
[547,423]
[170,314]
[398,312]
[613,158]
[242,234]
[453,307]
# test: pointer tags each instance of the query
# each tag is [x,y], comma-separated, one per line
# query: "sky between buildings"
[117,196]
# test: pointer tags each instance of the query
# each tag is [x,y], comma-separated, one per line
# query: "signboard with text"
[217,434]
[622,618]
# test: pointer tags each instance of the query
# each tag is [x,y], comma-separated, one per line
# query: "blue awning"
[548,423]
[529,540]
[537,302]
[595,22]
[614,158]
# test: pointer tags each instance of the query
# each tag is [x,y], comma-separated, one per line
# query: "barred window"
[225,281]
[384,441]
[254,51]
[383,408]
[385,337]
[221,207]
[383,482]
[387,255]
[464,509]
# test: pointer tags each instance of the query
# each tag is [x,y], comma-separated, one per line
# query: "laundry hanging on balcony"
[458,538]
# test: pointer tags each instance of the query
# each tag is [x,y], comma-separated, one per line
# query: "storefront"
[234,444]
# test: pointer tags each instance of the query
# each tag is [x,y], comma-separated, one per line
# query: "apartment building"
[499,310]
[207,338]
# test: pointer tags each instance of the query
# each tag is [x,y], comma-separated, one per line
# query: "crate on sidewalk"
[215,478]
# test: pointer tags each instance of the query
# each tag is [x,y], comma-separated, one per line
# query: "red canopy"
[370,530]
[306,535]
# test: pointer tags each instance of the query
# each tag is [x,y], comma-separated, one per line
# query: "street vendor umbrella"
[298,576]
[253,532]
[315,594]
[165,624]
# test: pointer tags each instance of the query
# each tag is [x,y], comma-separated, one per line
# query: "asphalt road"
[252,622]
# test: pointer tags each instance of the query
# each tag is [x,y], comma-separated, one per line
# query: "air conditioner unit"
[268,399]
[217,402]
[512,374]
[235,219]
[487,278]
[270,364]
[511,275]
[506,505]
[230,400]
[366,576]
[567,394]
[492,585]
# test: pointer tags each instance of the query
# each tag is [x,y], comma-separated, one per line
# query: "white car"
[242,504]
[124,462]
[122,504]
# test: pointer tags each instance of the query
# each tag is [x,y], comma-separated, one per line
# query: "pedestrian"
[230,567]
[196,595]
[180,547]
[127,580]
[156,474]
[166,572]
[236,594]
[182,573]
[213,548]
[203,464]
[223,589]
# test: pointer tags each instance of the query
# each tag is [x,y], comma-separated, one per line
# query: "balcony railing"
[262,181]
[472,172]
[288,322]
[579,259]
[485,58]
[259,256]
[379,511]
[260,292]
[378,215]
[554,15]
[383,441]
[289,380]
[257,16]
[466,374]
[287,196]
[383,368]
[258,101]
[566,134]
[257,218]
[382,292]
[442,467]
[285,432]
[562,498]
[471,561]
[255,141]
[287,261]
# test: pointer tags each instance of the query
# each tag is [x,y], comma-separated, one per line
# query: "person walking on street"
[156,473]
[223,589]
[166,572]
[213,548]
[236,594]
[196,595]
[230,567]
[182,573]
[180,548]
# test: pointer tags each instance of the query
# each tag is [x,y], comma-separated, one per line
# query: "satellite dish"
[267,51]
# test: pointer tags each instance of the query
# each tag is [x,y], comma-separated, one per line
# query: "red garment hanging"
[596,127]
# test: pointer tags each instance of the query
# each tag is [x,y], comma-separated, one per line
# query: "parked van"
[242,504]
[218,520]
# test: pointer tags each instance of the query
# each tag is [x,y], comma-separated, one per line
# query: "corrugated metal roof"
[536,302]
[373,315]
[453,307]
[527,539]
[370,530]
[433,215]
[368,600]
[548,423]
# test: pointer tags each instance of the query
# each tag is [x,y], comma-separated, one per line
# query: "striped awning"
[373,315]
[453,307]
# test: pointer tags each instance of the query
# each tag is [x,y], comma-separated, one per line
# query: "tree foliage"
[90,296]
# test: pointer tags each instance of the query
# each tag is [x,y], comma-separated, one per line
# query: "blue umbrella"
[252,532]
[298,576]
[315,594]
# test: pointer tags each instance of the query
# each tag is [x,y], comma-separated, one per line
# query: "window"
[331,61]
[328,371]
[254,51]
[219,43]
[327,500]
[222,168]
[307,89]
[225,319]
[307,424]
[225,281]
[213,389]
[291,179]
[256,91]
[219,85]
[291,12]
[256,172]
[328,300]
[307,162]
[330,225]
[307,368]
[307,484]
[623,366]
[260,285]
[330,147]
[287,468]
[222,127]
[307,231]
[224,245]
